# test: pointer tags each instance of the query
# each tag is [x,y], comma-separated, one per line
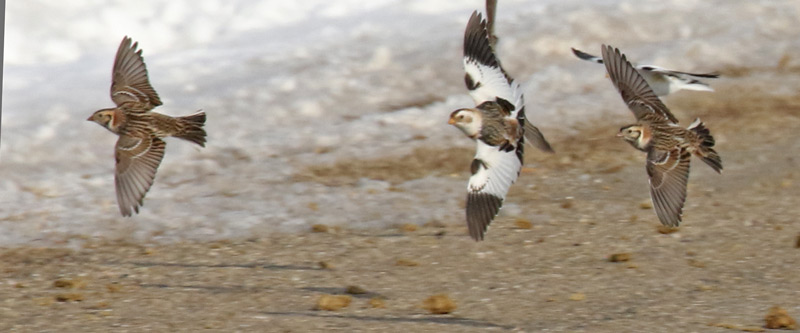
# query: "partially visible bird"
[140,147]
[663,81]
[669,147]
[497,124]
[491,12]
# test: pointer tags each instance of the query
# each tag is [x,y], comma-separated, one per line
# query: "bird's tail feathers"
[191,128]
[706,150]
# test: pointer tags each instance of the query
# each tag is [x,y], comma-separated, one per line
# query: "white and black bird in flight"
[497,124]
[663,81]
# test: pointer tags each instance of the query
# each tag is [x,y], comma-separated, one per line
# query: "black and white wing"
[635,91]
[585,56]
[675,80]
[493,172]
[657,69]
[486,79]
[669,174]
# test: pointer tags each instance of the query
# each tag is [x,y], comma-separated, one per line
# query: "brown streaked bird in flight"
[140,147]
[669,147]
[497,124]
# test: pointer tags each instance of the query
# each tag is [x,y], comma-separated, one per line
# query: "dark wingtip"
[477,45]
[481,210]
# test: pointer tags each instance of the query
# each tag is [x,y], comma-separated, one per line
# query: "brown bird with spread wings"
[669,147]
[140,147]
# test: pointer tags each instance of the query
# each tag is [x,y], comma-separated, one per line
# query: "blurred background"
[323,112]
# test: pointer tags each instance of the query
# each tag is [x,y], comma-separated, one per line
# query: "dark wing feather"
[585,56]
[635,91]
[493,172]
[129,81]
[669,175]
[138,159]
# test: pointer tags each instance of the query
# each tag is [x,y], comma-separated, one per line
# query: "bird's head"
[632,134]
[104,117]
[467,120]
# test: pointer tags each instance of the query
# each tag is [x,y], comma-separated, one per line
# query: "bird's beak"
[451,121]
[90,118]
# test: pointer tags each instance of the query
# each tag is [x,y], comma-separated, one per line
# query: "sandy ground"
[734,257]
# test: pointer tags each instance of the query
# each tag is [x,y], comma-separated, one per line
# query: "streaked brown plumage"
[669,147]
[139,149]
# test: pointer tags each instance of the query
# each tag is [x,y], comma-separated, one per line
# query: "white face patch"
[468,121]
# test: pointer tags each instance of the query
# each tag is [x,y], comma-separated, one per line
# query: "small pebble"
[333,302]
[777,317]
[439,304]
[619,257]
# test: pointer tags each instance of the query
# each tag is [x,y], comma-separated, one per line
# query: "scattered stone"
[333,302]
[148,251]
[696,263]
[439,304]
[114,287]
[619,257]
[319,228]
[647,204]
[69,284]
[567,203]
[355,290]
[63,284]
[406,262]
[665,230]
[377,303]
[408,227]
[325,265]
[313,206]
[777,317]
[704,287]
[322,150]
[435,224]
[69,297]
[523,224]
[797,242]
[577,297]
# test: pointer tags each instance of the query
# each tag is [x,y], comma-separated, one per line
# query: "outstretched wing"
[487,81]
[669,174]
[635,91]
[585,56]
[485,78]
[672,81]
[129,82]
[657,69]
[138,159]
[493,172]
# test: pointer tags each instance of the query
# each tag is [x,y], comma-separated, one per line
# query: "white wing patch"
[497,172]
[491,84]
